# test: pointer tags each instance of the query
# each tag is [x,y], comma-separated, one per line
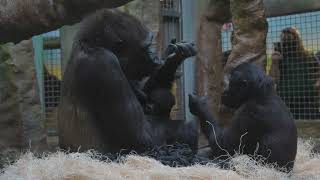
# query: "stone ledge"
[308,128]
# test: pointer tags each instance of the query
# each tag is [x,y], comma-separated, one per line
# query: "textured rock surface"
[22,19]
[10,116]
[25,80]
[20,112]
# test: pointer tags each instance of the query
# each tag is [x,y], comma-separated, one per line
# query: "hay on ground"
[83,166]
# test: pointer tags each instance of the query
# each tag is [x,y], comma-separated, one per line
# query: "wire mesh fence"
[293,51]
[171,5]
[52,79]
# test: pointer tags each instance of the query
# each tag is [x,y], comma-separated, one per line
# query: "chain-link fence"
[293,49]
[51,79]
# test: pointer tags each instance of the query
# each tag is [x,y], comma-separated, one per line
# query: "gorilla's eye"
[119,44]
[238,85]
[243,83]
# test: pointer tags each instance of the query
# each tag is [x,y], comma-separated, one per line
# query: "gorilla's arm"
[141,96]
[199,107]
[165,75]
[222,140]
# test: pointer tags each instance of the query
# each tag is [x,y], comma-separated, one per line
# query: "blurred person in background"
[295,72]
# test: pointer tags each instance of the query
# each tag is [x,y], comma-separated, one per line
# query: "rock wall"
[21,125]
[10,116]
[148,12]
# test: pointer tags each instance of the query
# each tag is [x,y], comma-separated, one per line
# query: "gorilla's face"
[136,57]
[125,36]
[236,94]
[239,87]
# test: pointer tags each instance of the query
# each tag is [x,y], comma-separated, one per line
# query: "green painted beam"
[38,61]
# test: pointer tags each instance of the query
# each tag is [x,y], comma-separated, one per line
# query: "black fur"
[101,106]
[262,124]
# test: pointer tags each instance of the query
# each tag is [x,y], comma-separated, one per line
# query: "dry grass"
[83,166]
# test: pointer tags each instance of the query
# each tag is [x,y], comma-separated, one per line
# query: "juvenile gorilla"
[160,100]
[99,107]
[262,124]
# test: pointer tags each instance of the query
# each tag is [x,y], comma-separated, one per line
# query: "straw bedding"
[82,166]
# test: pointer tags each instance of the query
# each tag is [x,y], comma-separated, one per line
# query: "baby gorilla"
[157,99]
[262,124]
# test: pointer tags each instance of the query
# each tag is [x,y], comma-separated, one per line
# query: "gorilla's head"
[125,36]
[246,81]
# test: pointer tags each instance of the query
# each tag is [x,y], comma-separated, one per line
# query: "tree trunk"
[249,45]
[22,19]
[209,63]
[250,33]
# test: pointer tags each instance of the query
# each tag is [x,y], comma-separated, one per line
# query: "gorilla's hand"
[172,48]
[197,104]
[186,50]
[182,50]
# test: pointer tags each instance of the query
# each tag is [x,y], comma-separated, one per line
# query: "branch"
[22,19]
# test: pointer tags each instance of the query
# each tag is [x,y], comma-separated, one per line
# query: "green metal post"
[38,60]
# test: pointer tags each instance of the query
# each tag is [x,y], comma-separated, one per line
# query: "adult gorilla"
[99,106]
[262,125]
